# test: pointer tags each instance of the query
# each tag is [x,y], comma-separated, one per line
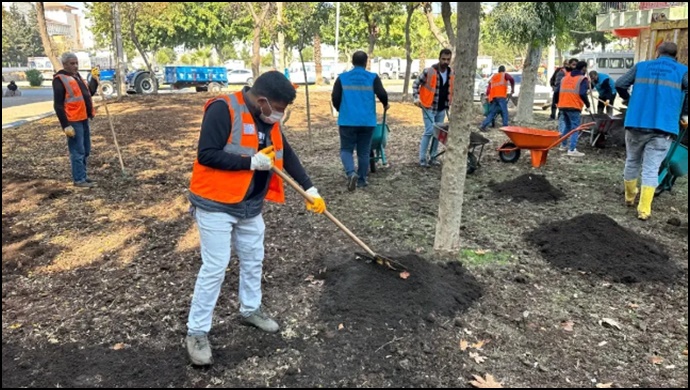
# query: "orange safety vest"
[231,187]
[499,86]
[569,94]
[75,106]
[427,92]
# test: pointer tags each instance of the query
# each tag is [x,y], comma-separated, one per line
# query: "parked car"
[542,92]
[241,76]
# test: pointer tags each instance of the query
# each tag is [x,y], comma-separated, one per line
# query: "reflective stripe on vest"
[231,187]
[499,86]
[75,106]
[569,93]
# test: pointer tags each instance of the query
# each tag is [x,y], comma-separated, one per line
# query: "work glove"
[684,120]
[69,131]
[319,206]
[263,161]
[417,103]
[96,73]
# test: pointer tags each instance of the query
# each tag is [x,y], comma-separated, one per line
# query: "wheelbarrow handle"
[582,127]
[328,215]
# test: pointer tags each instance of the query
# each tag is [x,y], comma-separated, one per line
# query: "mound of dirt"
[528,187]
[361,292]
[596,244]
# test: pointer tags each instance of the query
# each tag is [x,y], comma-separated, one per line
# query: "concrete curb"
[28,120]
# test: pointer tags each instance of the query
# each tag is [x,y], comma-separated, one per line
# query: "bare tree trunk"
[306,92]
[455,165]
[525,105]
[259,20]
[133,14]
[317,59]
[281,37]
[119,50]
[45,38]
[373,35]
[447,13]
[408,52]
[432,25]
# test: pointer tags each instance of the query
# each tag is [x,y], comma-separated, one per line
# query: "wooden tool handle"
[330,216]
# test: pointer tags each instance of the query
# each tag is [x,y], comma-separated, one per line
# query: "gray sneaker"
[261,321]
[199,350]
[84,184]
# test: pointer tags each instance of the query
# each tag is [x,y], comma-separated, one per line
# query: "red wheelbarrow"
[537,141]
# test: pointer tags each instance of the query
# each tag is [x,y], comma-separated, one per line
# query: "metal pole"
[337,33]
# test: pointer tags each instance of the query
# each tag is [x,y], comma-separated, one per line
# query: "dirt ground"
[96,284]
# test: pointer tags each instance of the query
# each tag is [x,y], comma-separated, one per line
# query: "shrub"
[35,77]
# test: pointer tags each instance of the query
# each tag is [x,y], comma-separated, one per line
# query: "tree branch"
[432,25]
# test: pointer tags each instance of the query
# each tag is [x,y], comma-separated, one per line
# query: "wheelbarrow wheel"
[372,161]
[509,157]
[472,163]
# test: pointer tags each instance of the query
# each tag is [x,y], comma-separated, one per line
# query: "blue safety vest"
[657,96]
[603,79]
[358,105]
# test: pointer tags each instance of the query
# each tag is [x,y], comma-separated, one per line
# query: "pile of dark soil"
[528,187]
[369,294]
[596,244]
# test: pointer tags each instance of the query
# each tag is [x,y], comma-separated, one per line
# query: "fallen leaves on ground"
[610,323]
[489,382]
[404,275]
[118,346]
[567,326]
[341,327]
[656,360]
[464,345]
[604,385]
[477,358]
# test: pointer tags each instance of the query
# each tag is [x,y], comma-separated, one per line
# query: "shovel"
[379,259]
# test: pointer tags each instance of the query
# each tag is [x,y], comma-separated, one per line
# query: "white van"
[297,72]
[614,64]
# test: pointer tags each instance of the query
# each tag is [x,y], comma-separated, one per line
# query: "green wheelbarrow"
[675,164]
[378,144]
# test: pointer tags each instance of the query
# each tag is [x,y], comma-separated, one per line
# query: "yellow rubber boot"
[631,192]
[644,210]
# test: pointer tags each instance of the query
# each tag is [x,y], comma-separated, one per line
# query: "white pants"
[218,232]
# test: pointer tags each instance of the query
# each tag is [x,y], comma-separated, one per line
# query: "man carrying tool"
[240,142]
[353,97]
[74,107]
[556,81]
[433,93]
[571,97]
[651,121]
[606,88]
[497,92]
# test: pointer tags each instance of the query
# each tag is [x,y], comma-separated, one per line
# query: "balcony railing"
[611,7]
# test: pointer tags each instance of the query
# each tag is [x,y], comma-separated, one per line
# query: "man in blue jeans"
[353,97]
[498,95]
[571,96]
[74,107]
[433,93]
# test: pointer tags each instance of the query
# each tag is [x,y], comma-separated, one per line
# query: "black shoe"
[483,129]
[362,184]
[352,182]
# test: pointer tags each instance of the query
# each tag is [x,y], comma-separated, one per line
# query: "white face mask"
[274,117]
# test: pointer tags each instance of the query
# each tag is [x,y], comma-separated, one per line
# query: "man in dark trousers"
[353,97]
[606,89]
[240,142]
[74,107]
